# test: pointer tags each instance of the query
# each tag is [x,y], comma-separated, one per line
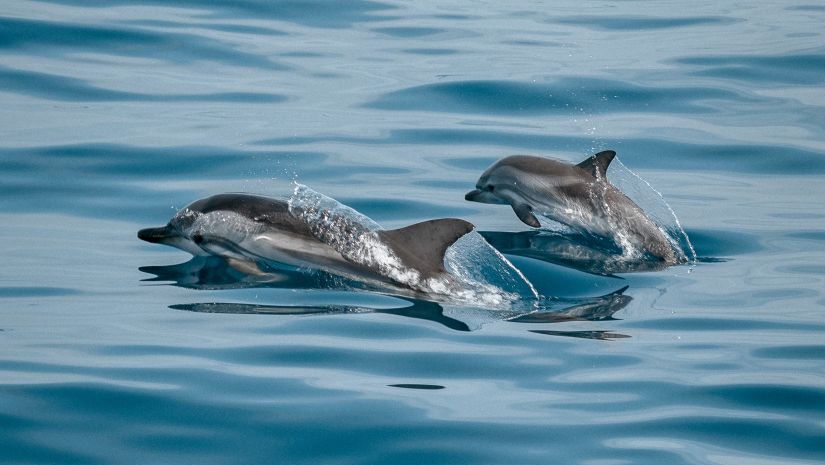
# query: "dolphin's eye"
[491,188]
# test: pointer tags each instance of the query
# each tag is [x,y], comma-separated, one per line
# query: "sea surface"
[114,114]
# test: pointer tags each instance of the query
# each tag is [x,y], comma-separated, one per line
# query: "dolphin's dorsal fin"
[421,246]
[597,164]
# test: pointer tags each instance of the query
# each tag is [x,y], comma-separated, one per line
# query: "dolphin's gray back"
[269,212]
[546,176]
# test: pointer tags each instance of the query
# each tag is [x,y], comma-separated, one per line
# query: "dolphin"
[579,196]
[247,230]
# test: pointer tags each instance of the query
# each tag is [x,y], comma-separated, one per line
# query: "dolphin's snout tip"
[472,196]
[154,235]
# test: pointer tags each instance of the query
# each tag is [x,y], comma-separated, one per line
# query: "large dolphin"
[248,229]
[579,196]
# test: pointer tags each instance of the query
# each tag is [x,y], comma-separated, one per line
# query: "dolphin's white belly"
[292,249]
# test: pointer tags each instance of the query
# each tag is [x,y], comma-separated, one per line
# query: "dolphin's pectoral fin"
[597,164]
[525,214]
[245,266]
[422,246]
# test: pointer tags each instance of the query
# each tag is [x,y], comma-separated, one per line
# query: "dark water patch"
[23,449]
[224,27]
[816,236]
[806,8]
[313,13]
[535,43]
[818,269]
[69,89]
[425,387]
[302,54]
[636,23]
[565,95]
[719,324]
[791,352]
[431,51]
[770,397]
[17,292]
[408,32]
[802,35]
[717,242]
[33,36]
[803,69]
[798,216]
[453,16]
[715,367]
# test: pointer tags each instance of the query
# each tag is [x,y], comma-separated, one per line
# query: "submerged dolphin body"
[248,229]
[579,196]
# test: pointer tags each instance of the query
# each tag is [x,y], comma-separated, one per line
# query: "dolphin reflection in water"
[214,273]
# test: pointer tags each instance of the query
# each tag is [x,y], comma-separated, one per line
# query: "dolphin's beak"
[155,235]
[482,196]
[473,195]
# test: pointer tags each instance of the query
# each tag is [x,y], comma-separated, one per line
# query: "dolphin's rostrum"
[247,229]
[579,196]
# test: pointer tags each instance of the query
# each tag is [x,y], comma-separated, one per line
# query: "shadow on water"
[213,273]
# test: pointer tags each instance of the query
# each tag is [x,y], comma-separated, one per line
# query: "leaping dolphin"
[247,229]
[579,196]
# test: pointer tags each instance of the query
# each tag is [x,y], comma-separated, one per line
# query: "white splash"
[656,207]
[476,272]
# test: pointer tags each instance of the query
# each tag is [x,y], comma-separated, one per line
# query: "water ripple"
[564,95]
[636,23]
[314,13]
[807,69]
[65,88]
[26,36]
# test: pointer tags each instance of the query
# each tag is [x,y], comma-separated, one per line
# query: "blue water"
[114,114]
